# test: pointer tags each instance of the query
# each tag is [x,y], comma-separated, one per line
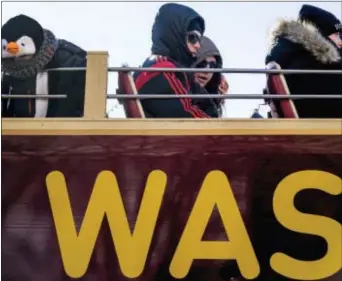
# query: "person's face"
[337,39]
[193,39]
[203,78]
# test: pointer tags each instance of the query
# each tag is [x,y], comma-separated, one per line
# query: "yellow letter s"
[291,218]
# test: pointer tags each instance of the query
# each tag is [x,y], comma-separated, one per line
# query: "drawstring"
[29,103]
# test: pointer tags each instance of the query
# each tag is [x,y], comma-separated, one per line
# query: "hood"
[308,36]
[169,32]
[208,48]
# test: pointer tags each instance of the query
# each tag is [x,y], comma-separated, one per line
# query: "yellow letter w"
[105,200]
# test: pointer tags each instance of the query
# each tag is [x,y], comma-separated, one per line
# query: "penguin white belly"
[42,88]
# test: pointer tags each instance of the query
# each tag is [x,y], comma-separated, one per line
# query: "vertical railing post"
[96,85]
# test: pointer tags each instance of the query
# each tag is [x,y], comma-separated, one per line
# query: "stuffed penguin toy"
[28,51]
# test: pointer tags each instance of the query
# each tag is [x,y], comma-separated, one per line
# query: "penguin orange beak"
[12,48]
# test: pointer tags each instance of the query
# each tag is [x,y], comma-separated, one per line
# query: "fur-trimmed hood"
[307,35]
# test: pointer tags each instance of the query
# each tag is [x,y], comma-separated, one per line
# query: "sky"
[239,29]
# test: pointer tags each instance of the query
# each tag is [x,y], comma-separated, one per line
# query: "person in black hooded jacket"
[311,42]
[176,36]
[28,51]
[209,56]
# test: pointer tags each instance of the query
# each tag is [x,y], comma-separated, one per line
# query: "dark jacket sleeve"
[167,83]
[71,83]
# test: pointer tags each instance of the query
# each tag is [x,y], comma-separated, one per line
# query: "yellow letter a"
[132,249]
[294,220]
[215,190]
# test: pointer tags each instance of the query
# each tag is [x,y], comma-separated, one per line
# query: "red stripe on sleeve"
[174,83]
[186,102]
[179,89]
[143,78]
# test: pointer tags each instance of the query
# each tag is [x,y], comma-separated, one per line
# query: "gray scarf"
[29,68]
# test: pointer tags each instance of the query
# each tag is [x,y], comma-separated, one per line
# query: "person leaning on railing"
[176,36]
[209,56]
[311,42]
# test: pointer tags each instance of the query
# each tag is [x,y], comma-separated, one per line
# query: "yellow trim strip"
[148,127]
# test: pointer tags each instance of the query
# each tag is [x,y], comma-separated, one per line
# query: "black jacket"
[295,45]
[71,83]
[169,50]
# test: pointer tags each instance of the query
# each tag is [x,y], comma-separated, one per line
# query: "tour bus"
[97,198]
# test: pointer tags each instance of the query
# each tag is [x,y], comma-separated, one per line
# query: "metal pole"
[209,70]
[194,96]
[33,96]
[67,69]
[229,96]
[226,70]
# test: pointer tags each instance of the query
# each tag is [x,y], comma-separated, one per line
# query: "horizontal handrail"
[208,70]
[226,70]
[196,96]
[34,96]
[229,96]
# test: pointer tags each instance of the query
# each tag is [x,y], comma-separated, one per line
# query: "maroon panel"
[131,107]
[253,164]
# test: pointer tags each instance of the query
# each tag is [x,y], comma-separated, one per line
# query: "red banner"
[134,207]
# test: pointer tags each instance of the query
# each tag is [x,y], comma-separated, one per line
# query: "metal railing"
[196,96]
[34,96]
[230,96]
[211,70]
[97,75]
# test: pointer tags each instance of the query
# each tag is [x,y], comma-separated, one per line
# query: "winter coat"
[298,45]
